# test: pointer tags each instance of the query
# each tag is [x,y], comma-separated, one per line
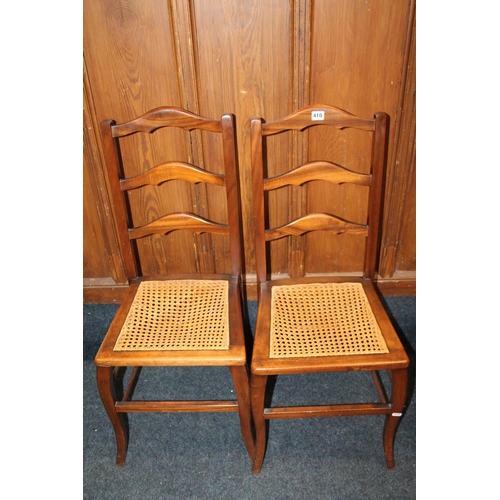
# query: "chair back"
[300,122]
[126,190]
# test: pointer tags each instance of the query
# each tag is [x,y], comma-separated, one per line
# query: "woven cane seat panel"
[177,315]
[323,319]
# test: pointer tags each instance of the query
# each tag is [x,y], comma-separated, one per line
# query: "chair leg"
[242,389]
[258,393]
[107,390]
[399,389]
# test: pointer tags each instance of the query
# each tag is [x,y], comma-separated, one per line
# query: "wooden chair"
[180,319]
[330,323]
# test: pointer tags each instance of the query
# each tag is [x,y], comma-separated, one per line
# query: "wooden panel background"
[251,58]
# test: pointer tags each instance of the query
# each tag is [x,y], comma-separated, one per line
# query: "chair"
[312,324]
[172,320]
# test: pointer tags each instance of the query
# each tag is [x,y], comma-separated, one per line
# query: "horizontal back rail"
[318,114]
[178,221]
[172,170]
[315,222]
[317,171]
[163,117]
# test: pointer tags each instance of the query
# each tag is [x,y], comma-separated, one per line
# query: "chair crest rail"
[331,115]
[162,117]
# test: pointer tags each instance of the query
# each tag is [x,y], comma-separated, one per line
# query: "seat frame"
[395,362]
[110,363]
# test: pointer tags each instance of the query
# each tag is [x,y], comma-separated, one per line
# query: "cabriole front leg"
[258,393]
[242,389]
[107,390]
[398,399]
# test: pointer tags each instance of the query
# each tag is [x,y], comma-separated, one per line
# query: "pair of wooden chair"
[306,324]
